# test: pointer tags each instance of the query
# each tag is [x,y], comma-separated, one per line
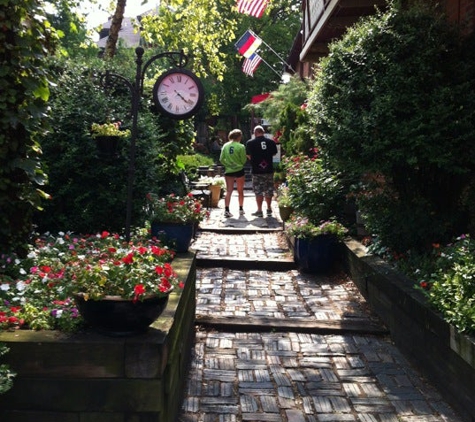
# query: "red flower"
[128,259]
[104,234]
[164,285]
[142,250]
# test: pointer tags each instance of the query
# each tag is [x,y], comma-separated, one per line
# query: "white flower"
[5,287]
[21,286]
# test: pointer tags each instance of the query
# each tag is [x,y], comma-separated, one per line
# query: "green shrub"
[191,162]
[447,277]
[88,192]
[395,102]
[25,40]
[313,189]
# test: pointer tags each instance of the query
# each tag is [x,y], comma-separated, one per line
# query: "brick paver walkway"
[281,346]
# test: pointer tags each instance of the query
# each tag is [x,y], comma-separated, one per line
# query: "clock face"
[178,93]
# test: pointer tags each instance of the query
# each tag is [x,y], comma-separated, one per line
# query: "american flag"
[250,65]
[254,8]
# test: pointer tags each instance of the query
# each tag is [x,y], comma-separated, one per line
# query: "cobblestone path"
[281,346]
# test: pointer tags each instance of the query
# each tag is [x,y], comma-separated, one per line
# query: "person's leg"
[229,190]
[269,193]
[259,192]
[259,201]
[240,189]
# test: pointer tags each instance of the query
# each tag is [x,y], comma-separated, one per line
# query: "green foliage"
[314,190]
[207,31]
[447,277]
[26,38]
[6,375]
[303,228]
[395,101]
[283,197]
[89,193]
[285,111]
[191,162]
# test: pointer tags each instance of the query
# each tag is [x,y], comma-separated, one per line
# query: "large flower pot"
[178,234]
[316,255]
[117,317]
[107,146]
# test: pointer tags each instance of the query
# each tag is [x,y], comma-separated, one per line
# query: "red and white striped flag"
[254,8]
[250,65]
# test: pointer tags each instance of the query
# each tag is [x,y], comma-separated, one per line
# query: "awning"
[259,98]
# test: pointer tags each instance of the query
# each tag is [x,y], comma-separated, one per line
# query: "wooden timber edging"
[297,325]
[433,346]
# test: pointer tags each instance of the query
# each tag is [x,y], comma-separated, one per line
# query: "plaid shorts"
[263,184]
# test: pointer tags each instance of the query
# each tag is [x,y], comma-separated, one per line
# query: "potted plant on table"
[314,242]
[173,218]
[216,185]
[107,137]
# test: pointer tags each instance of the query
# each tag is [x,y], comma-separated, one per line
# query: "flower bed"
[444,356]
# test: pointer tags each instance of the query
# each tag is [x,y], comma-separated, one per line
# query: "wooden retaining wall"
[88,377]
[443,356]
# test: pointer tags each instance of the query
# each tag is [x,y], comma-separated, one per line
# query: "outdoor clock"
[178,93]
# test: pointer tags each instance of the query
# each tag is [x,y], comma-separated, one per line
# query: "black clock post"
[108,80]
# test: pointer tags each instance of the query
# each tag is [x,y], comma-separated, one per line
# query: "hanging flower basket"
[107,137]
[107,146]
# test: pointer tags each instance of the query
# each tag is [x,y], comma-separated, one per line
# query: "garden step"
[296,325]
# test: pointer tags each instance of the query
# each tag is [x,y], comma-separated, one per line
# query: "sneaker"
[241,212]
[269,213]
[257,214]
[227,214]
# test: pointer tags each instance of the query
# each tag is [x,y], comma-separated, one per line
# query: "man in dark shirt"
[260,151]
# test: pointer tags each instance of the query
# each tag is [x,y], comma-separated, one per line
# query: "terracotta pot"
[215,195]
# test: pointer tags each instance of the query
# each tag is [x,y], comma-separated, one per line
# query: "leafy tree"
[285,110]
[207,31]
[394,109]
[26,38]
[71,27]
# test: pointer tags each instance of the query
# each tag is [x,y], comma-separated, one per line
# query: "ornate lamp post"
[177,93]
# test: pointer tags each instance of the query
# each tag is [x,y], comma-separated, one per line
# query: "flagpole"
[277,73]
[271,49]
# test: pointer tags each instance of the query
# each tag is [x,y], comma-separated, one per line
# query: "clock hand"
[181,96]
[190,102]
